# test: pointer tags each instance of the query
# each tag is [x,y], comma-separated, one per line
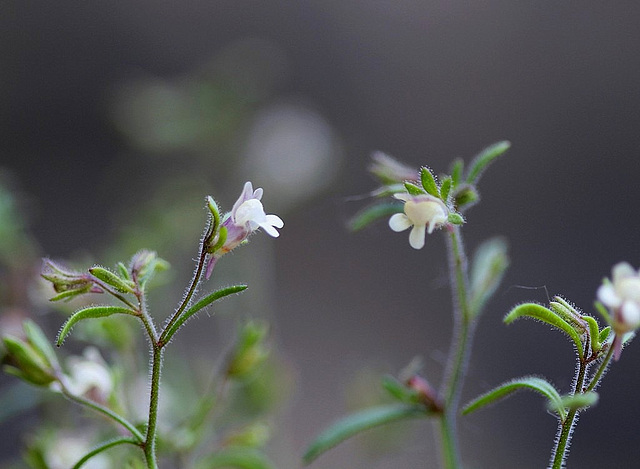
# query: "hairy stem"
[458,356]
[565,429]
[152,425]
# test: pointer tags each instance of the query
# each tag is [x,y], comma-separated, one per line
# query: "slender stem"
[458,357]
[190,292]
[565,429]
[104,447]
[152,425]
[603,366]
[105,411]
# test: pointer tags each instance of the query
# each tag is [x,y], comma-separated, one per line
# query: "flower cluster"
[421,212]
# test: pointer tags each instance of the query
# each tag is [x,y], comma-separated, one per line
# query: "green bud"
[455,218]
[27,363]
[250,351]
[110,278]
[465,196]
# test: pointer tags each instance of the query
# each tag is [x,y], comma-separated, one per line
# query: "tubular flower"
[621,296]
[423,213]
[246,216]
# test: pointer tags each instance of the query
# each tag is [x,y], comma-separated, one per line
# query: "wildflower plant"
[90,382]
[418,201]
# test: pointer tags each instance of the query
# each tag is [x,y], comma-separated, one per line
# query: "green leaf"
[429,182]
[445,188]
[489,264]
[413,189]
[567,312]
[539,312]
[579,401]
[359,422]
[603,311]
[464,197]
[122,270]
[455,218]
[533,383]
[594,333]
[40,342]
[604,334]
[456,172]
[484,158]
[91,312]
[368,215]
[110,278]
[240,458]
[202,303]
[70,294]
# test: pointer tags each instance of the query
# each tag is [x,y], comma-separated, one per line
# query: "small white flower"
[622,296]
[246,217]
[89,375]
[422,212]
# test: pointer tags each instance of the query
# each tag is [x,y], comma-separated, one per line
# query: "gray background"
[426,81]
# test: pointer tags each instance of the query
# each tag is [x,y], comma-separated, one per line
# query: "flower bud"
[33,359]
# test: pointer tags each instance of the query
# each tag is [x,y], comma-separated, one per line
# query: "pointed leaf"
[110,278]
[413,189]
[604,334]
[70,294]
[484,158]
[539,312]
[445,188]
[533,383]
[359,422]
[367,216]
[487,270]
[236,458]
[40,342]
[456,172]
[122,270]
[202,303]
[91,312]
[399,391]
[429,182]
[455,218]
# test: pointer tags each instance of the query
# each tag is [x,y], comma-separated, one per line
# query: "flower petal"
[275,220]
[608,297]
[416,237]
[622,270]
[399,222]
[631,314]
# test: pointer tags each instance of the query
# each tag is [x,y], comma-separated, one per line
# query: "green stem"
[565,429]
[104,447]
[603,366]
[152,425]
[104,411]
[458,357]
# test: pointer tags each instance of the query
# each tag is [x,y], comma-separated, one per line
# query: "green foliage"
[539,312]
[429,182]
[483,159]
[579,401]
[359,422]
[533,383]
[236,458]
[91,312]
[413,189]
[489,265]
[120,284]
[198,306]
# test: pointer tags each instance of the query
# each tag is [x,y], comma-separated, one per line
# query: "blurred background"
[116,119]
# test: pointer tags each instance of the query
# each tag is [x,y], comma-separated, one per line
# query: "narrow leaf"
[429,182]
[110,278]
[539,312]
[122,270]
[445,188]
[238,458]
[69,294]
[456,172]
[604,334]
[484,158]
[91,312]
[538,385]
[359,422]
[487,270]
[368,215]
[40,342]
[413,189]
[594,333]
[398,390]
[202,303]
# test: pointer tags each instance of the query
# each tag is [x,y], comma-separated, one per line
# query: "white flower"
[89,375]
[422,212]
[246,217]
[622,296]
